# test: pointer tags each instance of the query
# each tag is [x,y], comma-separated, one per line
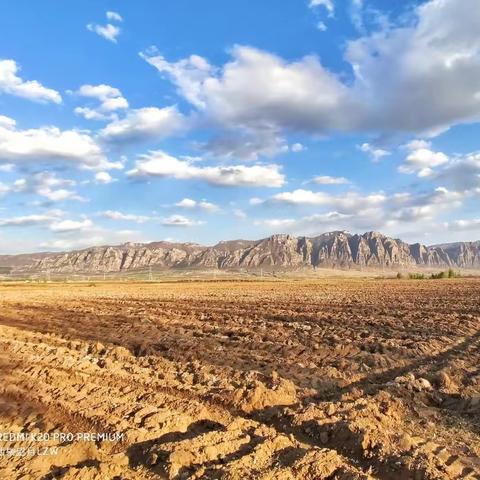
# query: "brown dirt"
[329,379]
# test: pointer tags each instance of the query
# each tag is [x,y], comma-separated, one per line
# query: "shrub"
[399,276]
[416,276]
[452,273]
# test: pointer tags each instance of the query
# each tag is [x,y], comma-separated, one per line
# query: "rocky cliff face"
[334,250]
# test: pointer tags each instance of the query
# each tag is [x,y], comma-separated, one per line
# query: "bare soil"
[326,379]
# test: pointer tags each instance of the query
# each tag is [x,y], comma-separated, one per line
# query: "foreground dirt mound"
[277,381]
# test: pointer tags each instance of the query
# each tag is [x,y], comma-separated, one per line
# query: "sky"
[201,121]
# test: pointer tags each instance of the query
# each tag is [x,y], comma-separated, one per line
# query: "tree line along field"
[294,379]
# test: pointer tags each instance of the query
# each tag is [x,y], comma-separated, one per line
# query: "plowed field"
[328,379]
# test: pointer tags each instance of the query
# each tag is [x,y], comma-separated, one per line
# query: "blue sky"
[202,121]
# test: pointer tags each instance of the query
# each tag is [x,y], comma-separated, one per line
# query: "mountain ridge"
[338,249]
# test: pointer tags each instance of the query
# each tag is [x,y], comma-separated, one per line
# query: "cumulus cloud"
[103,178]
[321,26]
[7,167]
[421,159]
[71,225]
[4,189]
[180,221]
[356,15]
[257,90]
[114,17]
[71,243]
[347,201]
[32,220]
[308,224]
[160,164]
[12,84]
[247,145]
[47,184]
[461,173]
[75,239]
[328,180]
[472,224]
[297,147]
[7,122]
[128,217]
[371,211]
[375,153]
[417,77]
[239,213]
[328,4]
[109,31]
[188,203]
[144,124]
[421,77]
[50,144]
[110,99]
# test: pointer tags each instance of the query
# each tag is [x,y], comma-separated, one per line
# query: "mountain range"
[330,250]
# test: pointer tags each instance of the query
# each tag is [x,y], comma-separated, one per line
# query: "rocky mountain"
[332,250]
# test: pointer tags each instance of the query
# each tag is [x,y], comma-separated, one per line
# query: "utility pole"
[150,276]
[48,275]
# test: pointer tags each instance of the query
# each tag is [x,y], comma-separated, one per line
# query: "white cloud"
[89,237]
[12,84]
[311,223]
[114,17]
[376,210]
[50,144]
[461,173]
[63,244]
[4,189]
[328,4]
[7,122]
[48,185]
[188,203]
[472,224]
[321,26]
[421,159]
[368,212]
[419,76]
[76,239]
[7,167]
[145,124]
[71,225]
[375,152]
[348,201]
[297,147]
[116,215]
[328,180]
[239,213]
[90,113]
[109,32]
[180,221]
[247,145]
[110,98]
[356,15]
[31,220]
[259,91]
[159,164]
[103,178]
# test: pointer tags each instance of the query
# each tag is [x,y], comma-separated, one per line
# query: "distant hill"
[329,250]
